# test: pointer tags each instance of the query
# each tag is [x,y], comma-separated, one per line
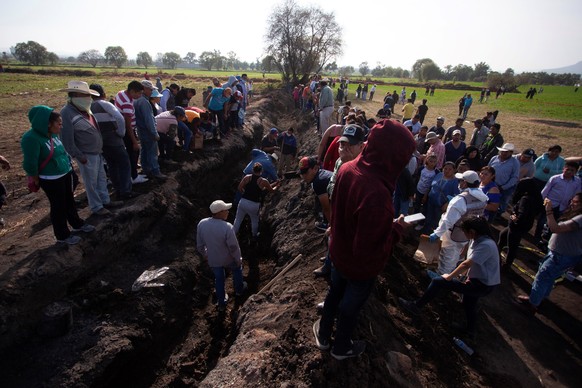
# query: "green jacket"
[36,146]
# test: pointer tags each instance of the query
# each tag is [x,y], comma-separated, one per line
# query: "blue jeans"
[149,154]
[95,181]
[553,266]
[345,299]
[186,134]
[119,168]
[237,279]
[472,290]
[506,195]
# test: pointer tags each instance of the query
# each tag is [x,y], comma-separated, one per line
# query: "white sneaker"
[139,179]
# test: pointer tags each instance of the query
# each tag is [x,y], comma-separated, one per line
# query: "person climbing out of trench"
[253,188]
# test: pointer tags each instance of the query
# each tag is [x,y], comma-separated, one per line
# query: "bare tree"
[302,40]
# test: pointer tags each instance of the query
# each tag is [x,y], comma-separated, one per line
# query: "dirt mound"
[174,336]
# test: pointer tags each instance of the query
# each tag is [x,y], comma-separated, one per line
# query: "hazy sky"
[527,35]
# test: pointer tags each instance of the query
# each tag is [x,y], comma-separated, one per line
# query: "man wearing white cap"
[470,202]
[82,140]
[216,241]
[506,173]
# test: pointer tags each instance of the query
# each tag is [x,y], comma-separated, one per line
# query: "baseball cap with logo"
[353,134]
[529,152]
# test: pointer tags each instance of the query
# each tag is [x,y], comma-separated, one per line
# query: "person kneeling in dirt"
[480,273]
[216,241]
[253,188]
[363,232]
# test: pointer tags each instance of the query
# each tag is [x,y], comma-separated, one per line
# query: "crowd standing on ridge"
[109,140]
[461,179]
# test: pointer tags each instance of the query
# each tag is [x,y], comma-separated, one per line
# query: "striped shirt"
[124,103]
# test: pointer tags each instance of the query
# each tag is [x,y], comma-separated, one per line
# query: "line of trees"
[300,41]
[35,54]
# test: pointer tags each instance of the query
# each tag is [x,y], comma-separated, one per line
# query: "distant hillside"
[575,69]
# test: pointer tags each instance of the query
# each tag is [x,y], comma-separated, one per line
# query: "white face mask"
[83,103]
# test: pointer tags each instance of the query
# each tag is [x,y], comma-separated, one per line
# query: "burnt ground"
[173,336]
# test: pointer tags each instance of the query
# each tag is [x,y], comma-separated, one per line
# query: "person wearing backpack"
[471,202]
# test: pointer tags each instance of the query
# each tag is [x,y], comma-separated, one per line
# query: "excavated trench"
[158,336]
[173,335]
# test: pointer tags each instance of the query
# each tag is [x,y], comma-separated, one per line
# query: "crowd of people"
[462,180]
[109,140]
[366,176]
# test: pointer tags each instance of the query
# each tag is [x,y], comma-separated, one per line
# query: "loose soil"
[173,336]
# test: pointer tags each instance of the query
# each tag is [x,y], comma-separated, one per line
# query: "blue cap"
[179,111]
[273,131]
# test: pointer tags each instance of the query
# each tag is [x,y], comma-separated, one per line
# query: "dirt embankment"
[173,336]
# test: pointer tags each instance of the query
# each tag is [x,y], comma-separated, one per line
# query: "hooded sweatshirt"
[36,147]
[363,232]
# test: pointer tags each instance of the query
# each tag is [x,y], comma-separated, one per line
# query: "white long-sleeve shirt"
[456,209]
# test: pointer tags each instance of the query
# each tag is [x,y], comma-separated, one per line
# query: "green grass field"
[555,103]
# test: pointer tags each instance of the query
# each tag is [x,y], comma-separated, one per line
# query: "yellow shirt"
[408,109]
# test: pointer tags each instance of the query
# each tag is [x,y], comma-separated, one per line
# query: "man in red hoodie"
[363,232]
